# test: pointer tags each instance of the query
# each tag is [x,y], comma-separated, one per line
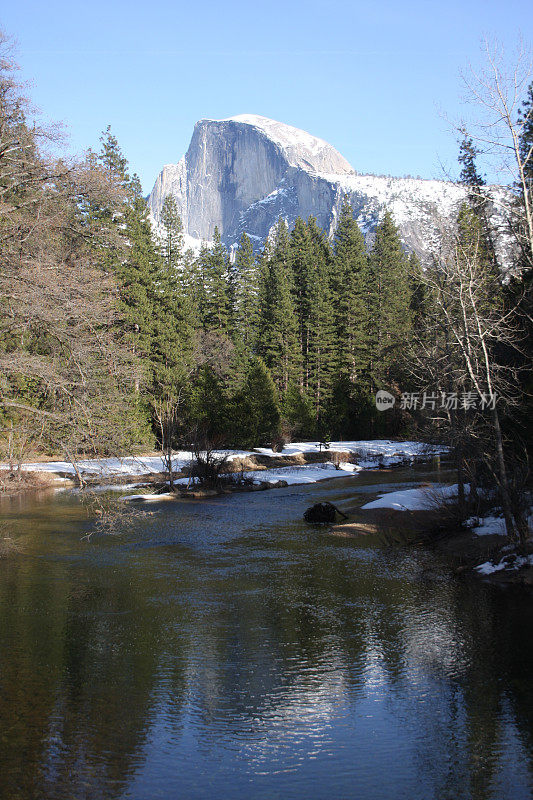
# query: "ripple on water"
[228,650]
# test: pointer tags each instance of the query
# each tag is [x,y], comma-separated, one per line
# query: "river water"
[224,649]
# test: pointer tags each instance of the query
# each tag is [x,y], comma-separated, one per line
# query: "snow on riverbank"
[310,473]
[131,465]
[510,562]
[368,454]
[487,526]
[422,499]
[293,476]
[432,497]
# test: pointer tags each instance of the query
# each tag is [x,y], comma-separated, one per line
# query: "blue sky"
[371,78]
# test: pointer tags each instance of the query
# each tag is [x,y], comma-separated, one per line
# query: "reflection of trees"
[324,629]
[78,676]
[459,648]
[501,685]
[263,643]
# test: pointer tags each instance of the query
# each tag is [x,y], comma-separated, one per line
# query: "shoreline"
[487,557]
[410,517]
[145,470]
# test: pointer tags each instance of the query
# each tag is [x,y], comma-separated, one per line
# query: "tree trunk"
[169,468]
[512,532]
[72,460]
[460,479]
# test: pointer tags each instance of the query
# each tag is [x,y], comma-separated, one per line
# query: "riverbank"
[426,516]
[349,456]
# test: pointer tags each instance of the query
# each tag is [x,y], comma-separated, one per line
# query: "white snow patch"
[345,466]
[370,449]
[421,499]
[488,568]
[130,465]
[493,524]
[293,475]
[116,487]
[508,563]
[297,474]
[369,454]
[148,498]
[489,526]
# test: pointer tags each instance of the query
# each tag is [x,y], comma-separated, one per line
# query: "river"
[224,649]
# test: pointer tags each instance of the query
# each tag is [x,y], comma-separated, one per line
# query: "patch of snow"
[422,499]
[488,568]
[308,473]
[489,526]
[493,524]
[294,475]
[147,498]
[116,487]
[369,453]
[509,563]
[347,467]
[370,449]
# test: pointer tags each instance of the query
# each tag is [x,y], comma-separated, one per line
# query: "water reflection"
[226,650]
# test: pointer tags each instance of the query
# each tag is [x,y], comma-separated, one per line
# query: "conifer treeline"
[113,340]
[292,342]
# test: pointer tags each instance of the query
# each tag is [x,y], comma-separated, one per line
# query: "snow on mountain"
[301,149]
[242,173]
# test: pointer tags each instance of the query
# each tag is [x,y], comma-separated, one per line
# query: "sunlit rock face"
[241,174]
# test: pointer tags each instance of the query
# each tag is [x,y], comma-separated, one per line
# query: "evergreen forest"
[115,339]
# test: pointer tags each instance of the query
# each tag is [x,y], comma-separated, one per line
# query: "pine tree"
[321,330]
[298,412]
[311,267]
[469,175]
[172,237]
[256,407]
[278,327]
[244,288]
[526,138]
[477,198]
[215,307]
[112,156]
[192,291]
[350,300]
[389,297]
[304,278]
[210,412]
[173,334]
[525,121]
[137,272]
[351,410]
[420,299]
[136,267]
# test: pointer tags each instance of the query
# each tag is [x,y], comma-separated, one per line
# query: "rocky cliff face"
[243,173]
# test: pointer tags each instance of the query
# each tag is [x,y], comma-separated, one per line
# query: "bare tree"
[167,411]
[467,322]
[208,461]
[497,93]
[65,368]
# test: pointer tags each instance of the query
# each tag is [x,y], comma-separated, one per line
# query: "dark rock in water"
[321,512]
